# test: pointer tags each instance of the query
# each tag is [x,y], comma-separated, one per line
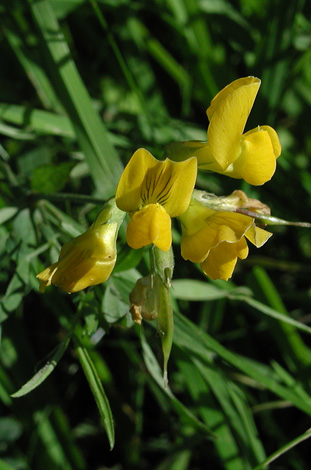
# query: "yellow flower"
[88,259]
[152,192]
[217,238]
[251,156]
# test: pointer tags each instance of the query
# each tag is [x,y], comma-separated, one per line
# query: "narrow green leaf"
[283,449]
[97,389]
[44,372]
[188,289]
[14,133]
[155,371]
[103,160]
[145,40]
[195,341]
[212,414]
[27,56]
[56,454]
[46,122]
[40,121]
[236,409]
[273,313]
[294,350]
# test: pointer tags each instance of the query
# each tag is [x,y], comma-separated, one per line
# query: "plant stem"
[162,265]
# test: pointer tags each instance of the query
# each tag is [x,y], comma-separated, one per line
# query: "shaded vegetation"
[83,85]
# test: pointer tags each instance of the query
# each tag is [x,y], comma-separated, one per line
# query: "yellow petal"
[172,185]
[257,161]
[258,236]
[146,180]
[227,90]
[151,224]
[76,275]
[128,193]
[220,227]
[222,259]
[275,141]
[228,114]
[84,261]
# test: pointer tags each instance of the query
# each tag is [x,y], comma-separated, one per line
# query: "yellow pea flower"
[88,259]
[217,238]
[152,192]
[251,156]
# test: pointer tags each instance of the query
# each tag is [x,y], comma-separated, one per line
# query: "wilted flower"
[251,156]
[152,192]
[143,300]
[88,259]
[216,237]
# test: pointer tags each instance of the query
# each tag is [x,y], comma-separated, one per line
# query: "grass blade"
[102,158]
[192,339]
[99,394]
[155,371]
[283,449]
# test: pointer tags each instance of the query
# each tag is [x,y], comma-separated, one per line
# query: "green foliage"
[50,179]
[83,85]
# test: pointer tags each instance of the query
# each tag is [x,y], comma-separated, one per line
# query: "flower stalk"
[162,266]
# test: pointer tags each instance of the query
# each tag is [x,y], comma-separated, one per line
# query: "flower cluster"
[215,230]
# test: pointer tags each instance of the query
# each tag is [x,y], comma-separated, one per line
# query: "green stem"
[162,265]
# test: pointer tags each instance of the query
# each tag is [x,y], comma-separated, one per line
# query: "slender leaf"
[189,289]
[273,313]
[101,156]
[283,449]
[155,371]
[99,394]
[192,339]
[44,372]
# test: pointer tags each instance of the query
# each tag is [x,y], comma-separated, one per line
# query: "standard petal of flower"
[151,224]
[128,193]
[227,90]
[175,185]
[257,236]
[146,180]
[257,161]
[222,259]
[229,113]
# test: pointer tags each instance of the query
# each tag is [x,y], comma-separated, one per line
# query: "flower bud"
[88,259]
